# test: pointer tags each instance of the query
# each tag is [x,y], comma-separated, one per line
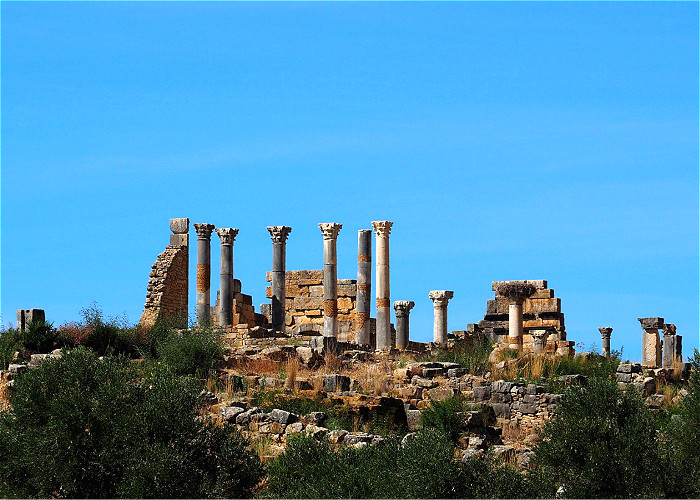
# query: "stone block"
[229,413]
[316,291]
[25,317]
[538,306]
[425,383]
[306,303]
[433,372]
[180,226]
[336,383]
[413,420]
[525,409]
[283,417]
[501,409]
[624,368]
[441,393]
[456,372]
[347,290]
[179,240]
[502,386]
[344,304]
[482,393]
[650,323]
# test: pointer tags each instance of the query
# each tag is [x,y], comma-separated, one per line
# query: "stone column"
[440,299]
[402,309]
[381,230]
[203,272]
[651,344]
[516,293]
[279,265]
[227,235]
[669,347]
[605,338]
[330,232]
[539,340]
[364,286]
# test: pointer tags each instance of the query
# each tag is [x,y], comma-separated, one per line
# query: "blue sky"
[553,141]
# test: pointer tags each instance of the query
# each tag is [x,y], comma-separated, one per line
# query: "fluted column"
[605,339]
[203,272]
[516,293]
[330,232]
[382,229]
[279,263]
[227,235]
[440,299]
[651,343]
[402,309]
[364,286]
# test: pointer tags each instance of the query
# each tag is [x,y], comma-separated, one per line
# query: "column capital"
[651,323]
[440,297]
[605,332]
[279,233]
[669,329]
[382,227]
[203,230]
[330,230]
[227,235]
[180,226]
[516,292]
[403,307]
[539,334]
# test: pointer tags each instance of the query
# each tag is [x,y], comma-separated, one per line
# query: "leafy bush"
[190,353]
[83,427]
[601,443]
[9,344]
[474,357]
[338,415]
[682,461]
[446,417]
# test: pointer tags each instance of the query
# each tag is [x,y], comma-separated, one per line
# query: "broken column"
[279,265]
[539,340]
[651,343]
[382,230]
[227,235]
[516,293]
[26,317]
[402,309]
[364,286]
[669,347]
[203,272]
[330,232]
[440,299]
[605,338]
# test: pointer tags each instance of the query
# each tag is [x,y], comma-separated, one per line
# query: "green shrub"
[9,344]
[83,427]
[190,353]
[474,357]
[445,416]
[681,437]
[338,415]
[601,443]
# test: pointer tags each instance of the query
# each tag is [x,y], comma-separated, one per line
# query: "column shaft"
[440,324]
[402,309]
[330,289]
[226,286]
[515,325]
[382,230]
[203,273]
[279,265]
[364,286]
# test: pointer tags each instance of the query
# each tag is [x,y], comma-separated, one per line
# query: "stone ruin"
[306,304]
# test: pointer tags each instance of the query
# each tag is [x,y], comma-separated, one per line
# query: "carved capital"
[180,226]
[651,323]
[382,227]
[514,291]
[669,329]
[279,233]
[203,230]
[539,335]
[227,235]
[330,230]
[605,332]
[440,297]
[403,307]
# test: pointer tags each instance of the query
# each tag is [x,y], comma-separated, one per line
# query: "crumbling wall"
[166,294]
[244,315]
[304,301]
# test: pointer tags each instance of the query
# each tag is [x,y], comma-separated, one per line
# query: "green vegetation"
[188,353]
[472,356]
[446,417]
[84,427]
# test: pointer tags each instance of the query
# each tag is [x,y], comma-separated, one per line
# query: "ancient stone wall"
[541,311]
[304,302]
[244,315]
[166,294]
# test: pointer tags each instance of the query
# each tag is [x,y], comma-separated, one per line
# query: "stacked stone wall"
[304,301]
[166,293]
[244,315]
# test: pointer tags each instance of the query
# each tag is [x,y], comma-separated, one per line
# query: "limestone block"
[316,291]
[348,290]
[25,317]
[307,303]
[180,226]
[538,284]
[649,323]
[268,292]
[545,293]
[537,306]
[344,304]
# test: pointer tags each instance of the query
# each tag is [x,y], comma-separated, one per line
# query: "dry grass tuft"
[331,363]
[291,369]
[373,378]
[256,365]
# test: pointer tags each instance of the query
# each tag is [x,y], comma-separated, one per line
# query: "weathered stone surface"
[501,386]
[336,383]
[482,393]
[441,393]
[283,417]
[26,317]
[433,372]
[623,377]
[501,409]
[650,323]
[336,436]
[294,428]
[413,419]
[245,417]
[425,383]
[229,413]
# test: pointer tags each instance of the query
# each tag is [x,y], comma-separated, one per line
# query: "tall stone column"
[651,343]
[605,338]
[440,299]
[516,292]
[227,235]
[279,266]
[669,348]
[203,272]
[402,309]
[381,230]
[364,286]
[539,340]
[330,231]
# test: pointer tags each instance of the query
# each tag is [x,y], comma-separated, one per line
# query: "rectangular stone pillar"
[651,343]
[26,317]
[364,286]
[382,229]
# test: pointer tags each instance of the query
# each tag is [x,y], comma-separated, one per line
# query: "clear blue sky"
[553,141]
